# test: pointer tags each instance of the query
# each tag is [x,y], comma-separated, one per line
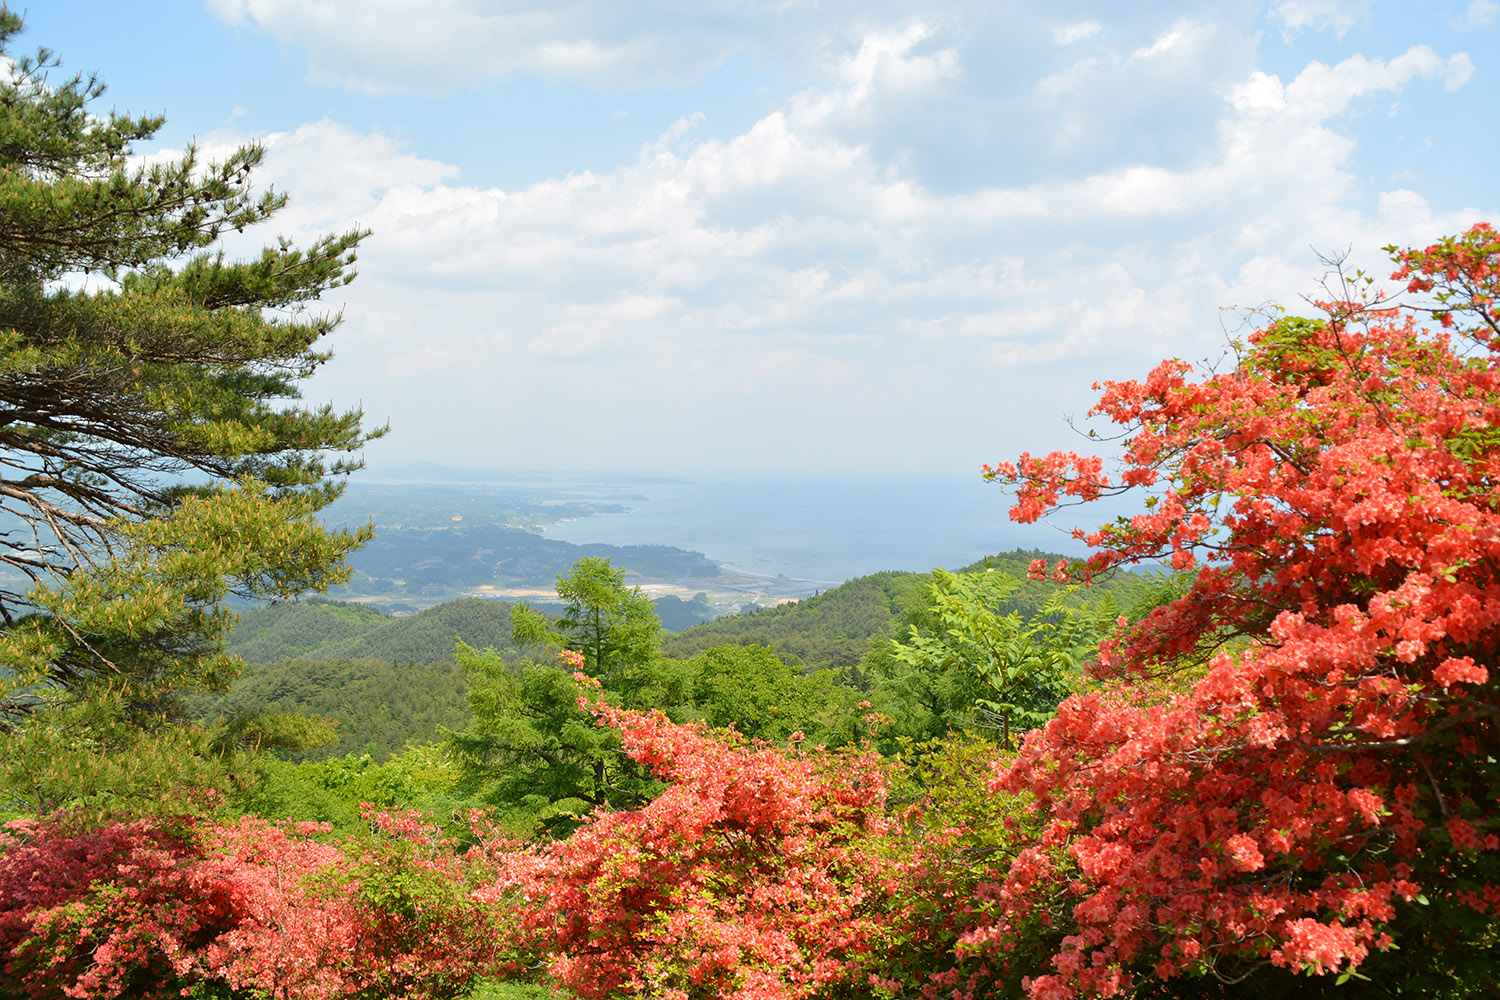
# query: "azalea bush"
[756,873]
[156,907]
[107,911]
[1292,767]
[760,871]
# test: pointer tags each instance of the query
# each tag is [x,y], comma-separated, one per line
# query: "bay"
[825,531]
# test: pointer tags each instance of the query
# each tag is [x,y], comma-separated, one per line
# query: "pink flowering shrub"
[753,875]
[150,907]
[101,912]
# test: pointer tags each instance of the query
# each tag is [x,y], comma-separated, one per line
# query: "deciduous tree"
[532,753]
[974,665]
[614,627]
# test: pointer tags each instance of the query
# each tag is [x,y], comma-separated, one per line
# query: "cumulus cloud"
[1152,96]
[804,262]
[1320,91]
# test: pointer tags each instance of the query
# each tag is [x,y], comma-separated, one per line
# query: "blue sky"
[768,236]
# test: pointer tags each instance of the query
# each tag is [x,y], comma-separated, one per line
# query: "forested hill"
[836,628]
[831,629]
[378,705]
[388,680]
[332,630]
[385,681]
[321,629]
[415,563]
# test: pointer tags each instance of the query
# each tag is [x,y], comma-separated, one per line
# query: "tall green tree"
[153,455]
[613,626]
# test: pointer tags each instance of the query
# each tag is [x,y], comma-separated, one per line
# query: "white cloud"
[1153,98]
[886,62]
[1320,91]
[1479,15]
[803,269]
[1261,93]
[1321,15]
[1070,33]
[1156,48]
[385,46]
[594,332]
[769,230]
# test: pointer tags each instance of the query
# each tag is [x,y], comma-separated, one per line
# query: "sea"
[825,531]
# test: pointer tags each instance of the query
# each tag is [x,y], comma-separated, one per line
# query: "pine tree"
[153,457]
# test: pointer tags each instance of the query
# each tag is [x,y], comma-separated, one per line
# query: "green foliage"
[154,458]
[99,755]
[332,630]
[272,730]
[529,627]
[270,632]
[973,663]
[614,628]
[377,706]
[532,753]
[958,834]
[747,687]
[385,682]
[751,689]
[848,627]
[422,777]
[429,635]
[496,990]
[657,683]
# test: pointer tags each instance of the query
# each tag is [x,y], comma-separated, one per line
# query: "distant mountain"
[468,505]
[385,681]
[430,635]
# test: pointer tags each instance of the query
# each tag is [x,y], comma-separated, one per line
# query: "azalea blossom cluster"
[150,907]
[1300,748]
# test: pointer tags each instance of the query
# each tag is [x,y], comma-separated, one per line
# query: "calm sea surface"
[826,532]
